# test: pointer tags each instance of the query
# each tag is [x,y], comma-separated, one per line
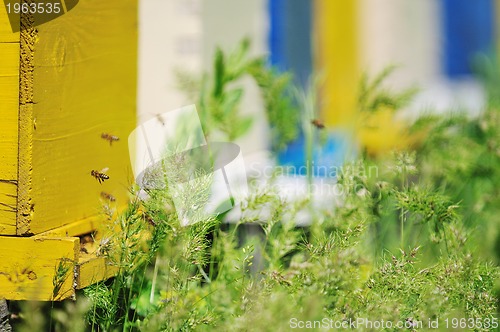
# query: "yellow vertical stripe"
[336,55]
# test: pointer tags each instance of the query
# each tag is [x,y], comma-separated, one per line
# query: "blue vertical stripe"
[290,37]
[277,33]
[468,27]
[290,43]
[291,50]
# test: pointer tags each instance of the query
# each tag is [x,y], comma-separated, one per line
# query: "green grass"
[414,243]
[200,277]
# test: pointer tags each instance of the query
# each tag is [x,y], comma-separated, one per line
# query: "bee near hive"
[104,247]
[149,219]
[100,176]
[318,124]
[110,138]
[107,196]
[160,119]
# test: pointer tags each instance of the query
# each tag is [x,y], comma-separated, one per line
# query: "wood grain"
[6,32]
[76,228]
[28,268]
[92,268]
[84,85]
[9,111]
[27,42]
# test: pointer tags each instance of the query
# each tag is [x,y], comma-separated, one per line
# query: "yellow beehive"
[63,84]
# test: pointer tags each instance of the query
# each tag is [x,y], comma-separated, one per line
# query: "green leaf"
[243,126]
[231,100]
[237,63]
[219,70]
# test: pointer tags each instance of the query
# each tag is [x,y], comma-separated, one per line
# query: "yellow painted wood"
[6,34]
[336,55]
[9,111]
[62,85]
[84,84]
[92,268]
[30,268]
[25,205]
[80,227]
[8,192]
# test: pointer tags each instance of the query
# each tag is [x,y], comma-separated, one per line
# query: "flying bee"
[110,138]
[104,247]
[100,175]
[107,196]
[160,119]
[318,124]
[147,217]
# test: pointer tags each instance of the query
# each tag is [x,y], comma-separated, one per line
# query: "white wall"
[225,24]
[401,32]
[170,37]
[408,33]
[183,34]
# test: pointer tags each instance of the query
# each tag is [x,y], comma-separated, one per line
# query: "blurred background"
[441,100]
[433,43]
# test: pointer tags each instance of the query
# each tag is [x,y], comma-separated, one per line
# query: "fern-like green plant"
[219,95]
[373,96]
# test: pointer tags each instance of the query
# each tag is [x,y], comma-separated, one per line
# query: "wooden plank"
[6,33]
[37,269]
[91,269]
[80,227]
[8,201]
[9,86]
[9,112]
[92,266]
[84,85]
